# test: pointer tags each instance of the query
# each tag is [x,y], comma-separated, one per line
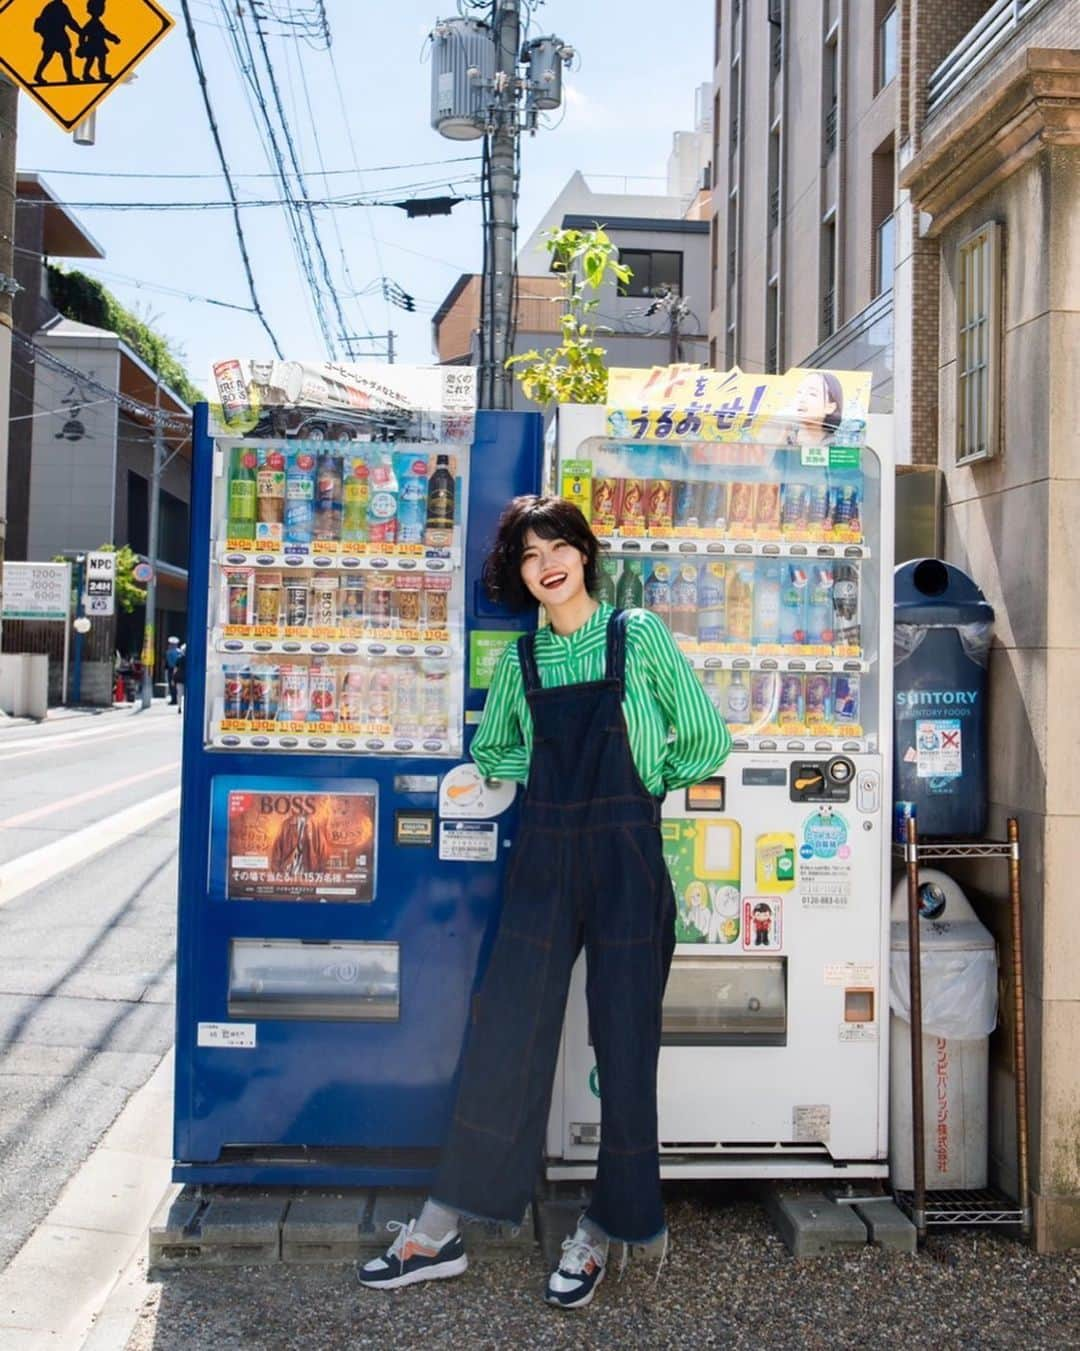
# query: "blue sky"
[634,88]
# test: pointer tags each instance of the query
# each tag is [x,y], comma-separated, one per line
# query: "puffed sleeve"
[701,741]
[499,748]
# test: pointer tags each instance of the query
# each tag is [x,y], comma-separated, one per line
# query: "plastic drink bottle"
[657,591]
[630,593]
[299,497]
[792,627]
[606,570]
[767,601]
[411,473]
[242,493]
[440,496]
[712,603]
[819,606]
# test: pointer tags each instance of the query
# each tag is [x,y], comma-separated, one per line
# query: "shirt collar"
[568,642]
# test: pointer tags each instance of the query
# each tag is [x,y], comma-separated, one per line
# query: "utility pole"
[502,161]
[485,84]
[9,107]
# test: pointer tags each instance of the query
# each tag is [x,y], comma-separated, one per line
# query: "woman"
[599,715]
[819,408]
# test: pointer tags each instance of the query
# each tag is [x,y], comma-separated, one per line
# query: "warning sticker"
[812,1123]
[858,1032]
[232,1036]
[938,748]
[468,841]
[851,973]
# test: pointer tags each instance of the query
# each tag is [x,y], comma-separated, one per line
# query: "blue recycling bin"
[942,629]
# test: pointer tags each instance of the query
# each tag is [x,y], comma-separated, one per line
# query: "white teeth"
[557,580]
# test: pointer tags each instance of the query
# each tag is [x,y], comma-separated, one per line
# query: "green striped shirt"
[676,736]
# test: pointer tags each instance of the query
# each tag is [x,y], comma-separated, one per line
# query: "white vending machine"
[764,540]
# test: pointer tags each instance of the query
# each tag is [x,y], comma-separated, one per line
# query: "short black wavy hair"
[550,518]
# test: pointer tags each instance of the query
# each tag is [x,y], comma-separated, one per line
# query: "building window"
[884,255]
[774,179]
[830,94]
[883,197]
[828,277]
[653,270]
[978,309]
[772,337]
[888,32]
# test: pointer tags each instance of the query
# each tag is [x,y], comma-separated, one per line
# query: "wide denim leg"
[587,867]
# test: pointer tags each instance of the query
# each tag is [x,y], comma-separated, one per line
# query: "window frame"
[892,13]
[985,280]
[625,293]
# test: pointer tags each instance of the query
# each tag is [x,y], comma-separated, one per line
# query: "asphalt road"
[88,841]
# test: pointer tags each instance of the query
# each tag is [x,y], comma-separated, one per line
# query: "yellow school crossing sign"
[69,54]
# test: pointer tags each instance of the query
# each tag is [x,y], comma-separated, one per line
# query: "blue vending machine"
[341,858]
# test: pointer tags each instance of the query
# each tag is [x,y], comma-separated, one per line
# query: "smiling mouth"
[551,580]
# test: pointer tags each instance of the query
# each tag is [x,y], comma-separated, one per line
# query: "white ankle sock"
[596,1234]
[436,1221]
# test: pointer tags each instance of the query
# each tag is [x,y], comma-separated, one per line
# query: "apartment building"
[803,186]
[897,188]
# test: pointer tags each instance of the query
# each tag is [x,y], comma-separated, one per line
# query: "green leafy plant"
[87,301]
[575,371]
[128,592]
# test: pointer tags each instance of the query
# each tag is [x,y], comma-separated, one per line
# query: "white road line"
[49,743]
[51,739]
[41,865]
[24,818]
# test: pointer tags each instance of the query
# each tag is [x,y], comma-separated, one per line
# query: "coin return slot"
[858,1006]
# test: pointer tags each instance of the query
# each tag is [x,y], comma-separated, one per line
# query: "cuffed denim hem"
[473,1215]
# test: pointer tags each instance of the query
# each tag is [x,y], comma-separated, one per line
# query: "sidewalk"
[728,1282]
[65,713]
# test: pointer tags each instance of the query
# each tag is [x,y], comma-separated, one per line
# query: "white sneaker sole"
[583,1301]
[443,1272]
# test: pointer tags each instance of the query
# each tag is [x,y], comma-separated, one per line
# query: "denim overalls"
[588,867]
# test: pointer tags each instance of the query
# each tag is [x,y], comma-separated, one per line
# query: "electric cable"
[323,173]
[193,45]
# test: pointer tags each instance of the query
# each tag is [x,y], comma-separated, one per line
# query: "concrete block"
[325,1228]
[391,1203]
[887,1226]
[811,1224]
[225,1229]
[556,1219]
[492,1239]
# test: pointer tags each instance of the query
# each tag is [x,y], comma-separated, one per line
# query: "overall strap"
[530,673]
[616,649]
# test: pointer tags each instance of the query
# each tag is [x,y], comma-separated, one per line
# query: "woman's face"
[552,569]
[812,402]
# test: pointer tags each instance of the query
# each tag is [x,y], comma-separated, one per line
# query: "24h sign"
[68,55]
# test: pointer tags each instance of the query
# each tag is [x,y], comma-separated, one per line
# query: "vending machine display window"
[756,558]
[301,978]
[337,597]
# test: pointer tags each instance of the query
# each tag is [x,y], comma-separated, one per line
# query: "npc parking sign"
[69,54]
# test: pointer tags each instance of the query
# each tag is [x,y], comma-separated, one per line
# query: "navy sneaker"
[581,1269]
[414,1257]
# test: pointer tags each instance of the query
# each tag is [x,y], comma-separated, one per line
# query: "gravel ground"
[729,1282]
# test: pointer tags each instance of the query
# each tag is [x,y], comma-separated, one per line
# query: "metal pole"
[390,347]
[1019,1031]
[147,692]
[506,24]
[67,640]
[9,109]
[918,1141]
[76,668]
